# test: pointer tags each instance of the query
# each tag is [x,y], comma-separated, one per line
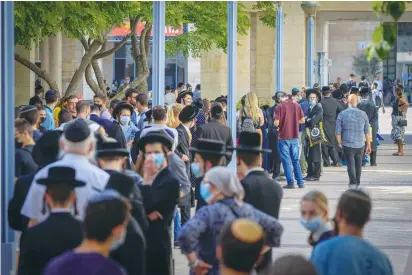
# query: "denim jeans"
[177,225]
[289,153]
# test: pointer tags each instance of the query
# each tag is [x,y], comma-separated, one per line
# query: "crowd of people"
[108,187]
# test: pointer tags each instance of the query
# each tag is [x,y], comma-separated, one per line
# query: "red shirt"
[288,113]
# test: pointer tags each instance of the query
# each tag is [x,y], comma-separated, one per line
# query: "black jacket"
[315,115]
[24,163]
[115,131]
[372,112]
[161,196]
[265,195]
[331,109]
[270,112]
[59,233]
[183,145]
[216,131]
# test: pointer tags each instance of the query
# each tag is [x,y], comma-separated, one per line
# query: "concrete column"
[158,79]
[45,59]
[279,48]
[55,44]
[325,50]
[24,80]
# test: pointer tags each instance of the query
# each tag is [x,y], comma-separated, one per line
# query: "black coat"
[24,163]
[315,115]
[161,196]
[270,112]
[216,131]
[17,221]
[183,145]
[132,253]
[115,131]
[331,109]
[265,195]
[59,233]
[372,112]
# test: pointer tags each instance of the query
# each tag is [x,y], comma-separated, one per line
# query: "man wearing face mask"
[104,228]
[122,113]
[100,100]
[313,120]
[208,153]
[60,231]
[160,192]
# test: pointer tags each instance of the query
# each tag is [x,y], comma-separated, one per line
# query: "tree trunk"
[86,59]
[138,80]
[89,79]
[142,87]
[99,76]
[38,71]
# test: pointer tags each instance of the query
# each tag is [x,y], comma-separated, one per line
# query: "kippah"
[246,231]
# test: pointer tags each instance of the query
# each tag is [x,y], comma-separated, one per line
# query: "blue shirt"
[49,121]
[304,104]
[196,95]
[344,255]
[352,125]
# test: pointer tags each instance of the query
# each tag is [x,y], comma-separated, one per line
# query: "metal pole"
[158,69]
[6,131]
[279,47]
[232,65]
[310,47]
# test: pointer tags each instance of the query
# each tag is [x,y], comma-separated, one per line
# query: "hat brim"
[183,94]
[193,116]
[122,106]
[313,91]
[112,153]
[247,149]
[150,139]
[210,152]
[51,180]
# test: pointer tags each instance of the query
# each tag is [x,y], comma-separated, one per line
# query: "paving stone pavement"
[390,228]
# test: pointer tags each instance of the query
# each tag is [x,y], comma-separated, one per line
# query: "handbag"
[316,134]
[402,122]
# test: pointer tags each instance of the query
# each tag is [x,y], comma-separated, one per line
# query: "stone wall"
[24,78]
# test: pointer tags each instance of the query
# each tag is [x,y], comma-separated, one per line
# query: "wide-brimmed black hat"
[183,94]
[216,111]
[250,142]
[337,94]
[188,113]
[278,96]
[121,106]
[313,91]
[153,137]
[122,184]
[210,147]
[325,89]
[111,149]
[76,131]
[221,99]
[61,175]
[354,90]
[46,149]
[365,91]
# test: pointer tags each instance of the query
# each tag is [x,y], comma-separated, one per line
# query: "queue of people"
[98,189]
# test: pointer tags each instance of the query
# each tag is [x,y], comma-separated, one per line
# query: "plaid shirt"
[352,125]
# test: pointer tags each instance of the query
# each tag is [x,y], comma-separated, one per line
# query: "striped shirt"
[352,125]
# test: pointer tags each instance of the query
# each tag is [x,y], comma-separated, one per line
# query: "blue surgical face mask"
[124,120]
[312,102]
[313,224]
[205,192]
[117,243]
[159,159]
[197,172]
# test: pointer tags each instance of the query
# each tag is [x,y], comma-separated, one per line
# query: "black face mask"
[17,144]
[99,106]
[42,119]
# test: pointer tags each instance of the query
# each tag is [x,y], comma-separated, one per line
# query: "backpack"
[247,124]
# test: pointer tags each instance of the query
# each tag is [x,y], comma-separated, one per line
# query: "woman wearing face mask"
[224,194]
[399,106]
[122,113]
[314,212]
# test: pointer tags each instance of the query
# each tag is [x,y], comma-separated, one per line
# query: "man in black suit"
[263,193]
[331,109]
[314,152]
[160,192]
[60,231]
[216,130]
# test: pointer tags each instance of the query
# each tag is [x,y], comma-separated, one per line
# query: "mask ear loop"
[76,211]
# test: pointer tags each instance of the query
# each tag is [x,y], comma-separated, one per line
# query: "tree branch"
[38,71]
[114,49]
[84,43]
[89,79]
[99,75]
[147,39]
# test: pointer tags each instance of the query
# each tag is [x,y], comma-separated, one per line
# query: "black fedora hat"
[59,175]
[121,106]
[365,91]
[354,90]
[47,147]
[111,149]
[250,142]
[155,137]
[183,94]
[221,99]
[325,89]
[337,94]
[313,91]
[121,183]
[188,113]
[210,147]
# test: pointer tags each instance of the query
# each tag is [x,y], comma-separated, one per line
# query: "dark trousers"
[329,151]
[185,206]
[354,158]
[313,169]
[373,158]
[276,160]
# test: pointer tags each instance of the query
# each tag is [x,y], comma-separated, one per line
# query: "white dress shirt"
[94,177]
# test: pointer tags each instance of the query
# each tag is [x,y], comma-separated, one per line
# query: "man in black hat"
[60,231]
[216,130]
[78,145]
[160,192]
[223,100]
[208,153]
[263,193]
[188,118]
[372,112]
[314,129]
[185,98]
[132,253]
[331,109]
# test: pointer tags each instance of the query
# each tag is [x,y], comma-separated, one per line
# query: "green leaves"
[377,34]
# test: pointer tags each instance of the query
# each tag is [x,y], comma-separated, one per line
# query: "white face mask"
[117,243]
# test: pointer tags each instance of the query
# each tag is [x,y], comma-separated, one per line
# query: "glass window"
[121,52]
[119,69]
